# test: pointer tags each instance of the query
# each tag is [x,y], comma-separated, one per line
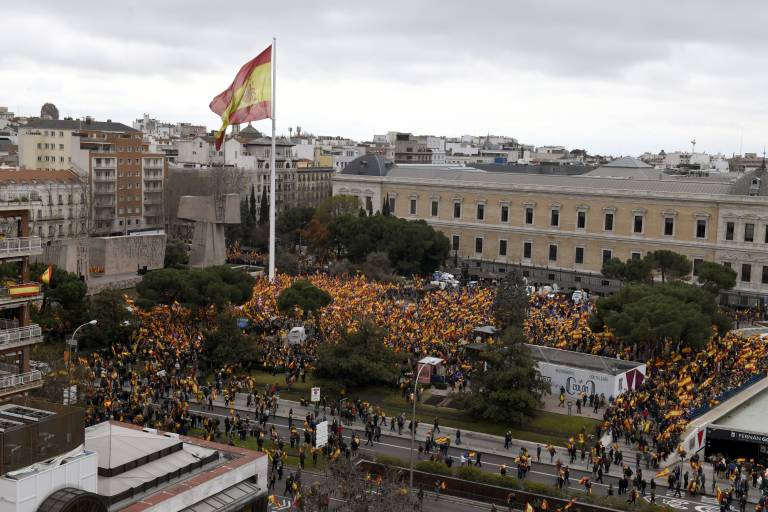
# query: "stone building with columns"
[561,228]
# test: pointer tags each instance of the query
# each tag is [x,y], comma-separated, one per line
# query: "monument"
[209,215]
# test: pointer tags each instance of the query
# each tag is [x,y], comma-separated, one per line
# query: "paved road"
[540,472]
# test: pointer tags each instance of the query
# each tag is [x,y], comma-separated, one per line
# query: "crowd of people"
[152,378]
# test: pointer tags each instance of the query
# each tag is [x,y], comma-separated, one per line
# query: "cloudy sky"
[614,77]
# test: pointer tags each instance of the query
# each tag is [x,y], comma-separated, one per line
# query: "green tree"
[305,295]
[176,255]
[252,204]
[228,345]
[337,206]
[291,225]
[631,271]
[510,306]
[670,265]
[385,208]
[646,315]
[65,302]
[197,288]
[114,321]
[614,268]
[264,208]
[358,359]
[715,277]
[287,262]
[510,389]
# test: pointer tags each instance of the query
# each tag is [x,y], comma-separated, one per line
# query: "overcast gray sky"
[611,76]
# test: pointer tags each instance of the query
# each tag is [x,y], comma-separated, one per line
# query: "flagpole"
[272,171]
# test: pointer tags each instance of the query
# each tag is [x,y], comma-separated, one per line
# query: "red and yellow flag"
[46,276]
[249,98]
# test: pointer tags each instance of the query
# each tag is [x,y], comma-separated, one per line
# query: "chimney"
[109,120]
[88,119]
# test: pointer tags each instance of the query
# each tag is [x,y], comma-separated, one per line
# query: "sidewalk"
[484,443]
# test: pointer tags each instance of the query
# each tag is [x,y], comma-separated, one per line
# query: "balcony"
[13,383]
[19,294]
[103,179]
[20,336]
[104,192]
[16,247]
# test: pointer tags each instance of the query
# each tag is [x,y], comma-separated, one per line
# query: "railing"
[695,413]
[20,379]
[19,334]
[14,245]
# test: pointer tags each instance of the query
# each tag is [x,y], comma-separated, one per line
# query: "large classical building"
[125,180]
[560,228]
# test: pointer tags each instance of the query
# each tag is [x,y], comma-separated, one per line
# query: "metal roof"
[78,124]
[232,498]
[600,364]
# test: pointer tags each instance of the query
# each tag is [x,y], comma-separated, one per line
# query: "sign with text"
[321,434]
[315,394]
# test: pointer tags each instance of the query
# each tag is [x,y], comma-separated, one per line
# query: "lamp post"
[413,424]
[72,342]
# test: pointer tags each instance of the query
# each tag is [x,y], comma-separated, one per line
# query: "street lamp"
[413,423]
[72,342]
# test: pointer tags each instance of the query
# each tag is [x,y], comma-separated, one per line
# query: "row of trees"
[647,314]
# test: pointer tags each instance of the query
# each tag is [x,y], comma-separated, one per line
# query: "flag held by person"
[249,97]
[45,278]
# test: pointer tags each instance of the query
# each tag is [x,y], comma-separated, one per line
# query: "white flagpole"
[272,171]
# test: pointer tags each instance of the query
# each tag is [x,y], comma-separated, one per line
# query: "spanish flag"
[46,277]
[664,472]
[249,97]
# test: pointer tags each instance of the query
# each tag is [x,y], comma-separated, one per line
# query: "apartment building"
[125,180]
[58,199]
[568,225]
[17,332]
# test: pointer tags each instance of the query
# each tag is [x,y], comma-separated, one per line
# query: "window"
[697,265]
[730,227]
[765,274]
[529,215]
[608,225]
[505,215]
[636,255]
[607,254]
[455,242]
[554,218]
[478,245]
[480,212]
[527,250]
[456,210]
[502,247]
[413,207]
[391,205]
[746,272]
[749,232]
[766,234]
[701,228]
[434,208]
[579,259]
[552,252]
[638,224]
[669,226]
[581,219]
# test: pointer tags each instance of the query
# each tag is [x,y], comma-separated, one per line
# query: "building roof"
[627,162]
[609,365]
[15,176]
[472,176]
[368,165]
[118,445]
[78,124]
[545,168]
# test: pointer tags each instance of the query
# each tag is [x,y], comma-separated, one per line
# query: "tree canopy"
[360,358]
[304,295]
[413,247]
[669,264]
[227,344]
[510,306]
[715,277]
[111,312]
[220,285]
[176,255]
[648,315]
[337,206]
[510,389]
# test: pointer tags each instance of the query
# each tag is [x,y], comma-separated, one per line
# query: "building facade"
[570,225]
[125,180]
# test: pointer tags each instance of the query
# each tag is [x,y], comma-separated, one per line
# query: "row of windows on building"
[748,233]
[41,145]
[46,158]
[745,271]
[609,217]
[58,230]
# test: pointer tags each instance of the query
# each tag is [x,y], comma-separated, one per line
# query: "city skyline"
[598,77]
